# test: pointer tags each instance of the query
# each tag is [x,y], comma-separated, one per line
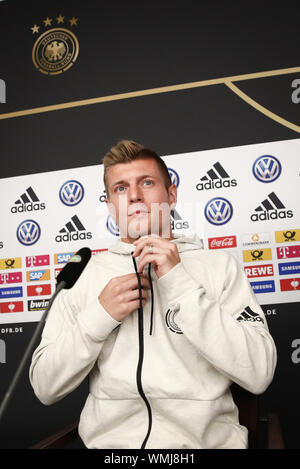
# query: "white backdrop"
[243,199]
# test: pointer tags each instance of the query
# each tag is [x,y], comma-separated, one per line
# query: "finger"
[134,295]
[149,241]
[149,258]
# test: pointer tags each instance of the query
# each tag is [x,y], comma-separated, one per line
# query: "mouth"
[138,213]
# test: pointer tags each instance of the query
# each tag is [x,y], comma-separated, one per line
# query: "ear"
[172,191]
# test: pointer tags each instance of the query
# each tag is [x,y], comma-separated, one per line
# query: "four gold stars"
[59,20]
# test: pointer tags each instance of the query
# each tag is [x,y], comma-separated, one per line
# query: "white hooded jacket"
[171,388]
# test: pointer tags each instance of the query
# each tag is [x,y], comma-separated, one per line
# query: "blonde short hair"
[126,151]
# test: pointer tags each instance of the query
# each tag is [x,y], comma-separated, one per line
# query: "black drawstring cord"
[141,357]
[152,298]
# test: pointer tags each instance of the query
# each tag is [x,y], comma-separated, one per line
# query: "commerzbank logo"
[218,211]
[28,232]
[266,168]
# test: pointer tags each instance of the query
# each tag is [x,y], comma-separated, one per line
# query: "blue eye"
[120,189]
[148,182]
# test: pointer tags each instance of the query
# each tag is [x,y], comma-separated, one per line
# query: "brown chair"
[264,431]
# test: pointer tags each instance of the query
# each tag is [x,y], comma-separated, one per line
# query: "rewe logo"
[216,178]
[271,209]
[28,202]
[73,231]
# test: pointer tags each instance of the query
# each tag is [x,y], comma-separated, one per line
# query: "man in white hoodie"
[161,326]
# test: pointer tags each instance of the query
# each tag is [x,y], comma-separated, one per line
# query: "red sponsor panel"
[37,261]
[287,252]
[10,277]
[290,284]
[222,242]
[96,251]
[11,307]
[38,290]
[265,270]
[56,272]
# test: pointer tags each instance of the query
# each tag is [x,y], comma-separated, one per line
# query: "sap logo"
[2,91]
[63,258]
[296,93]
[2,351]
[36,275]
[296,353]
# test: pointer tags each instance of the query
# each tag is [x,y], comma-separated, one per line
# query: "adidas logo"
[249,315]
[176,222]
[28,202]
[271,209]
[73,231]
[216,178]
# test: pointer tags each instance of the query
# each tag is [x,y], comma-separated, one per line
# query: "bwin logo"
[271,209]
[218,211]
[71,193]
[175,179]
[266,168]
[28,232]
[2,92]
[112,227]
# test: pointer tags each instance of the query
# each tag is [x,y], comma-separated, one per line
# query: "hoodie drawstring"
[141,349]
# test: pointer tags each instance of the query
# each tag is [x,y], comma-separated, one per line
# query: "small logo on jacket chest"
[170,321]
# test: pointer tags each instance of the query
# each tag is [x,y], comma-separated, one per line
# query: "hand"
[164,255]
[120,296]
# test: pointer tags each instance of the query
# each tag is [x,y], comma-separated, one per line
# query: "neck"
[131,240]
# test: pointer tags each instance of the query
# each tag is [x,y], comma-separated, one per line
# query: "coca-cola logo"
[222,243]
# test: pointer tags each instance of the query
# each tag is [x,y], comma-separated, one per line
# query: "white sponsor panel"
[235,199]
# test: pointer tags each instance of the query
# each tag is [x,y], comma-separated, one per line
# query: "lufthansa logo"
[55,51]
[218,211]
[71,193]
[266,168]
[28,232]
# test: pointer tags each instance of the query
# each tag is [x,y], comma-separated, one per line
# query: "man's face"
[139,200]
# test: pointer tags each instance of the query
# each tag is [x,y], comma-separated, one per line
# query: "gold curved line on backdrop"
[261,108]
[228,81]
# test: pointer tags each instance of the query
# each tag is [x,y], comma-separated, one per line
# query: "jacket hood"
[184,243]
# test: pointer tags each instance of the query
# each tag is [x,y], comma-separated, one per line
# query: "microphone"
[73,269]
[65,279]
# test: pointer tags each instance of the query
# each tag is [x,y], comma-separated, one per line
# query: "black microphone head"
[73,269]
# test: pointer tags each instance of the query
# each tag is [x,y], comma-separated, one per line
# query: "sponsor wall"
[238,199]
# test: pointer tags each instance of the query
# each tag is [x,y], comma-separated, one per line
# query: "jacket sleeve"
[227,327]
[70,344]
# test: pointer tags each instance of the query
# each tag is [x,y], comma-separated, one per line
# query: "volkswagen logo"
[112,226]
[218,211]
[266,168]
[28,232]
[174,177]
[71,193]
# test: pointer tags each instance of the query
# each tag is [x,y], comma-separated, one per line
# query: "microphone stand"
[28,351]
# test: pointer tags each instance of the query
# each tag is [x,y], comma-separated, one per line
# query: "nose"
[135,193]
